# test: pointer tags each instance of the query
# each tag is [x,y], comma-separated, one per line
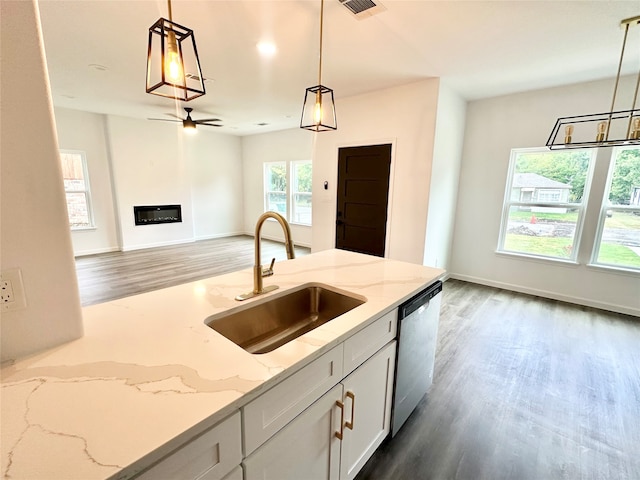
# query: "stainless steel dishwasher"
[417,334]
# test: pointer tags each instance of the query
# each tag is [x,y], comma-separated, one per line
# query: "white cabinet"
[367,397]
[210,456]
[336,435]
[307,448]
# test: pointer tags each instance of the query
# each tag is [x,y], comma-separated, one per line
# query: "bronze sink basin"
[269,323]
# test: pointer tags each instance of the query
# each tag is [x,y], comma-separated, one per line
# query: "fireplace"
[153,214]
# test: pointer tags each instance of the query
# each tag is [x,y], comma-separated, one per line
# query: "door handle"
[340,405]
[349,425]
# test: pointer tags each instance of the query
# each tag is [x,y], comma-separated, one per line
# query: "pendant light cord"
[170,15]
[320,62]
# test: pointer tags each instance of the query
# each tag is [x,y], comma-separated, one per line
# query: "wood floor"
[524,388]
[115,275]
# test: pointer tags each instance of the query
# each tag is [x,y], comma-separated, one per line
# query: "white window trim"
[604,208]
[86,191]
[508,203]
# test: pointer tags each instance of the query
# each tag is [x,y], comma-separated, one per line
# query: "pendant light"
[607,129]
[319,108]
[173,66]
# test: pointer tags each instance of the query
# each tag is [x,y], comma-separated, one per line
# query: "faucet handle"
[268,271]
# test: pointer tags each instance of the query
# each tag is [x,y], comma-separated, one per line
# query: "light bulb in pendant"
[568,131]
[317,111]
[602,128]
[173,62]
[635,131]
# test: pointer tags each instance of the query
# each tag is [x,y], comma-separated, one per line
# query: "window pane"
[73,172]
[78,210]
[276,177]
[625,181]
[547,232]
[302,208]
[550,176]
[277,202]
[301,193]
[620,242]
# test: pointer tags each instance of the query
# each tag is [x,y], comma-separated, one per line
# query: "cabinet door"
[367,397]
[306,448]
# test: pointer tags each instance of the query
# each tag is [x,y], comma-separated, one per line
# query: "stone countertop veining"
[149,374]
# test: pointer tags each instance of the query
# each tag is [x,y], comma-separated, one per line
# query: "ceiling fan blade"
[175,116]
[204,120]
[164,120]
[209,124]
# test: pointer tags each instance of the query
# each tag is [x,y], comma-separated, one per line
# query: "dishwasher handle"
[419,300]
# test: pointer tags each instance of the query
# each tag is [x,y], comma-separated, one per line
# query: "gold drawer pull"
[349,425]
[341,406]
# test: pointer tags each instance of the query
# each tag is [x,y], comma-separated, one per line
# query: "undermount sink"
[267,324]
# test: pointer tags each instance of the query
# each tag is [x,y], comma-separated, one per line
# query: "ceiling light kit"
[319,108]
[173,66]
[607,129]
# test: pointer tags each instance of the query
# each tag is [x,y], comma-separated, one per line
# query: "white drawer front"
[369,340]
[275,408]
[210,456]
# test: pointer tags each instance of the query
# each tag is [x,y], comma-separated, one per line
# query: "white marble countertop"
[149,374]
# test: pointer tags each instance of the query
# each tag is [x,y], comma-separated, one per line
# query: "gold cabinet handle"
[349,425]
[340,405]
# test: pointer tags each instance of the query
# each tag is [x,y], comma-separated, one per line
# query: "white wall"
[443,191]
[34,233]
[495,126]
[405,117]
[285,145]
[86,132]
[216,184]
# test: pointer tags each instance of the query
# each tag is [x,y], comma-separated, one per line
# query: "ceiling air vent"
[363,8]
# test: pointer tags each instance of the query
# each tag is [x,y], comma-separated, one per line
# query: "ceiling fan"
[189,123]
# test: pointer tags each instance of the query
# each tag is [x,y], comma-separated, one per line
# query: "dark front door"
[363,190]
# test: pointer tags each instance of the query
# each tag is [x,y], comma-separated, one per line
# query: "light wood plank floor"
[115,275]
[526,389]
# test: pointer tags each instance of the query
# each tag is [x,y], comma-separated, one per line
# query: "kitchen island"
[149,375]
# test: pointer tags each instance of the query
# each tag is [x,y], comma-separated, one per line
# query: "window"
[618,239]
[76,187]
[287,190]
[544,202]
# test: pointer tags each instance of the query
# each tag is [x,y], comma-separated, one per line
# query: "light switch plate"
[12,290]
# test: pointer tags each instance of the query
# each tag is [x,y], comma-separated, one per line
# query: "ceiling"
[479,48]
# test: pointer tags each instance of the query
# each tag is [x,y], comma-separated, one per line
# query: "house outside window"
[618,239]
[76,186]
[544,202]
[287,190]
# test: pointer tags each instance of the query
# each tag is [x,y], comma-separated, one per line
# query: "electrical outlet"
[11,290]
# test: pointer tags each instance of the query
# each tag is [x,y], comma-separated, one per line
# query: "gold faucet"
[258,270]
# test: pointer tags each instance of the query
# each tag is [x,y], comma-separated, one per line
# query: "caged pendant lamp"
[607,129]
[173,66]
[319,108]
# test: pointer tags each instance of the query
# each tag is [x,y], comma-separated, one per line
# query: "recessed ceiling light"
[267,49]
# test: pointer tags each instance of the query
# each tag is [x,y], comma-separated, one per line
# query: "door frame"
[390,195]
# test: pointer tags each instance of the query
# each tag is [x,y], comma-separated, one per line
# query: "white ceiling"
[480,48]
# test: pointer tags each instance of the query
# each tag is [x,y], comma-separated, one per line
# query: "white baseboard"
[279,240]
[84,253]
[220,235]
[158,244]
[547,294]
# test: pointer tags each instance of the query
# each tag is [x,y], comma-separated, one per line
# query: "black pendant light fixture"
[319,109]
[173,66]
[607,129]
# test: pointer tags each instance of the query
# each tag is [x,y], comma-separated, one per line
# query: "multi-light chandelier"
[607,129]
[173,66]
[319,108]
